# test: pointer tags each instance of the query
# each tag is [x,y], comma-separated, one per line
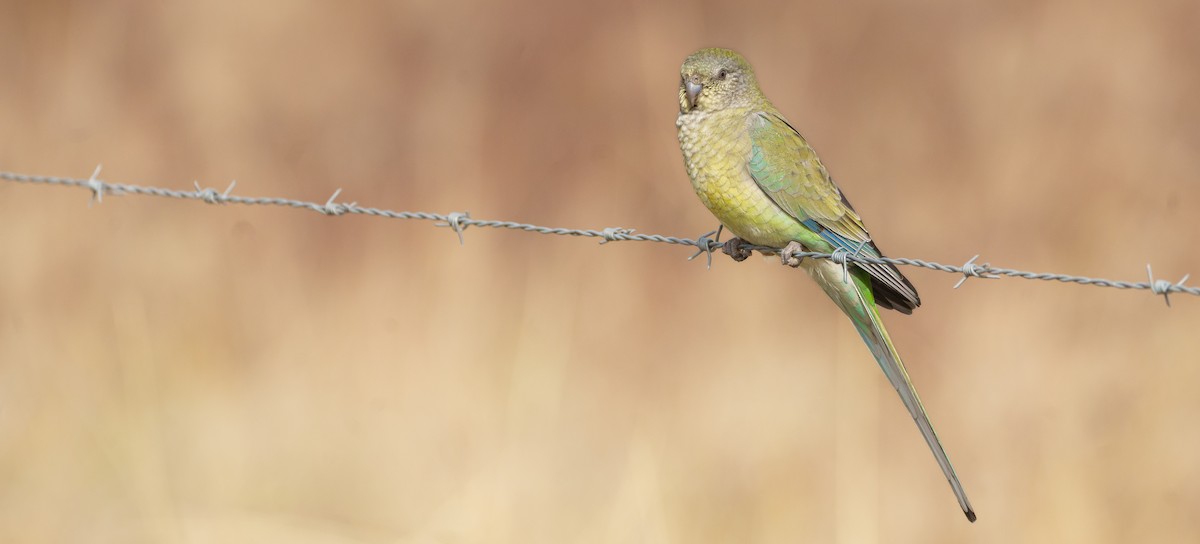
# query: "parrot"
[762,180]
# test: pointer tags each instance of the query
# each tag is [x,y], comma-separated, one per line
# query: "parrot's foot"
[788,254]
[736,249]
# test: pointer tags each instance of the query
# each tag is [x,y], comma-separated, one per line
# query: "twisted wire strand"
[459,221]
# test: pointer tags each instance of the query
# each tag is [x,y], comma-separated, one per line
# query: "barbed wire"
[706,243]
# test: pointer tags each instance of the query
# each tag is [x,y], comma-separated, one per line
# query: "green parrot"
[762,180]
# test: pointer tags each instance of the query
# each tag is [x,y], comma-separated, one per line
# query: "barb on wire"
[843,257]
[210,195]
[972,270]
[454,220]
[331,206]
[706,243]
[1163,287]
[96,186]
[611,234]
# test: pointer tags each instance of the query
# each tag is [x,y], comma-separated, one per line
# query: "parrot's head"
[714,79]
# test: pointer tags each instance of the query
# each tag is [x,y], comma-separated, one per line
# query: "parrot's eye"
[722,74]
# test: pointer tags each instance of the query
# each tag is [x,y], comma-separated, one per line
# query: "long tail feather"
[875,335]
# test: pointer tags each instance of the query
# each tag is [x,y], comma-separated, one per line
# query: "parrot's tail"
[876,337]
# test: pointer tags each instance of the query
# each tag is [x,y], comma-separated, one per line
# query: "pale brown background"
[177,372]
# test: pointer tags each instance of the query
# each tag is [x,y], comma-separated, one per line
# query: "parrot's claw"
[788,254]
[736,249]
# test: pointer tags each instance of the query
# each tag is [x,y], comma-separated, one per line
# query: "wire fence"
[706,244]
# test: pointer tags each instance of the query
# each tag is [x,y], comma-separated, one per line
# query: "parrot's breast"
[715,148]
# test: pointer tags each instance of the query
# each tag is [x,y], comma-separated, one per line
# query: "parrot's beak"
[692,90]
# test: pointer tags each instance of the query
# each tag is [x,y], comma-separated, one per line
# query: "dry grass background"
[174,372]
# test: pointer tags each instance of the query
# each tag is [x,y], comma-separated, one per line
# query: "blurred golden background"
[177,372]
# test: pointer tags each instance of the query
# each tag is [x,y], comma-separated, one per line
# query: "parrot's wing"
[789,171]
